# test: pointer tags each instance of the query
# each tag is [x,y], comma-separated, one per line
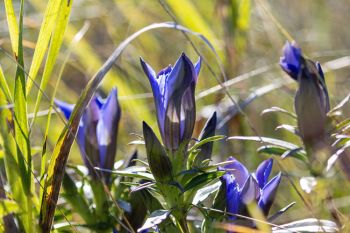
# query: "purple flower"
[173,91]
[243,187]
[290,62]
[311,100]
[97,133]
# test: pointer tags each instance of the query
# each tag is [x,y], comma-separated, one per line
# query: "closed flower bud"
[173,91]
[311,99]
[97,133]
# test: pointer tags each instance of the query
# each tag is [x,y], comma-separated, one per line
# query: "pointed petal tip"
[114,91]
[65,107]
[148,70]
[214,116]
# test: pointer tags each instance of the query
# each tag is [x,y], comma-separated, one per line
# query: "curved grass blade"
[75,40]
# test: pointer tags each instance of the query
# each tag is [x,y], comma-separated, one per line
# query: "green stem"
[183,224]
[101,200]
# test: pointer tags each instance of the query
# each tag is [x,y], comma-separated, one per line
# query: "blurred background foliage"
[248,41]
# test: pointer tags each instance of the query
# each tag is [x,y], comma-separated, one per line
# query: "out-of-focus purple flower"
[290,62]
[97,133]
[173,91]
[243,187]
[311,99]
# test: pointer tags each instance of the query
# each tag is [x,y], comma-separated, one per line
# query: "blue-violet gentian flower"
[311,100]
[173,91]
[243,187]
[97,133]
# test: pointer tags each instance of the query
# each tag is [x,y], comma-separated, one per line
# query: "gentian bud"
[173,91]
[97,133]
[243,187]
[311,100]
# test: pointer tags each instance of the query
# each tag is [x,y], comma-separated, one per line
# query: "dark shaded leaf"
[207,132]
[280,212]
[158,160]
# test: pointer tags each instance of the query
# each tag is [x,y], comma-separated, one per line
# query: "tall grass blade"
[21,127]
[47,26]
[55,44]
[4,87]
[12,25]
[184,8]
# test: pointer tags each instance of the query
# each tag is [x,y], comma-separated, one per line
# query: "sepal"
[208,131]
[159,162]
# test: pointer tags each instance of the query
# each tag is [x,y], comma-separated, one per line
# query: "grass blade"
[47,26]
[12,25]
[21,128]
[4,86]
[55,45]
[196,22]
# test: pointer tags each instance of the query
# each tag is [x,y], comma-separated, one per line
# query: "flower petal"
[263,172]
[239,171]
[198,66]
[268,194]
[290,62]
[107,128]
[180,103]
[66,108]
[158,85]
[323,87]
[233,200]
[250,191]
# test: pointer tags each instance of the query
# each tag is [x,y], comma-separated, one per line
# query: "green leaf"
[280,110]
[297,153]
[158,160]
[133,174]
[307,225]
[280,212]
[272,141]
[154,219]
[202,179]
[22,130]
[205,192]
[205,150]
[14,173]
[207,140]
[289,128]
[77,199]
[8,207]
[339,106]
[4,87]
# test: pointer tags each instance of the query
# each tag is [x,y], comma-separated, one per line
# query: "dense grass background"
[248,37]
